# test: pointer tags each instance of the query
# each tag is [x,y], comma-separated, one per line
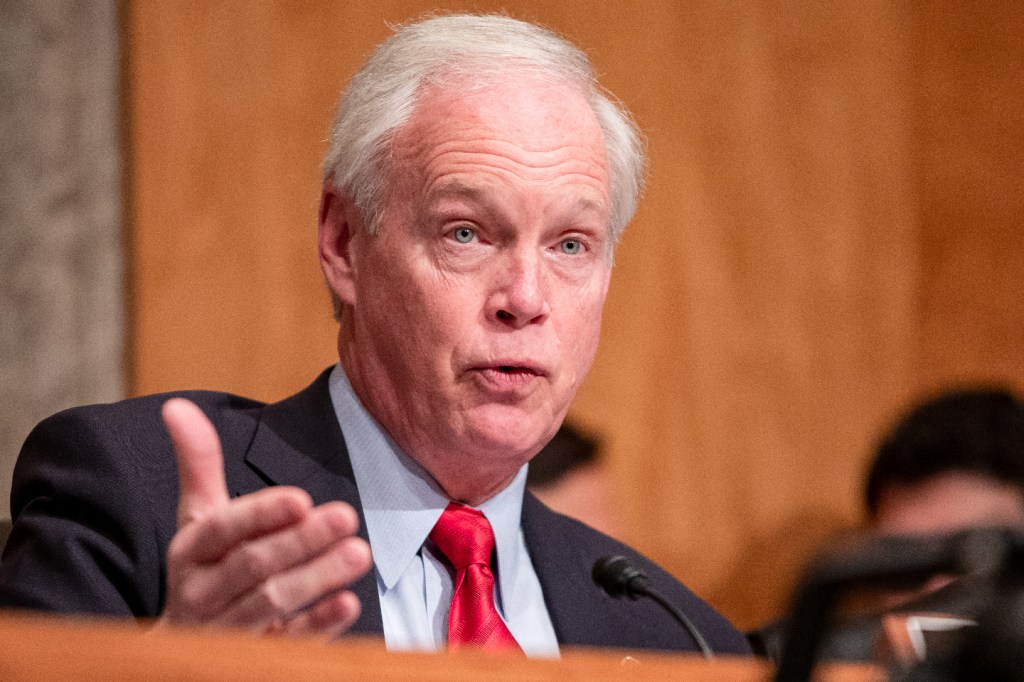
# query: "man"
[953,462]
[475,185]
[949,464]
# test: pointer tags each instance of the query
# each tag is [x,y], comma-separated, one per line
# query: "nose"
[518,298]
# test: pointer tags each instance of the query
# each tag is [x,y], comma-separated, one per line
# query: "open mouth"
[510,369]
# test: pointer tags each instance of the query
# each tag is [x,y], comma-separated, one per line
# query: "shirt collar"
[402,502]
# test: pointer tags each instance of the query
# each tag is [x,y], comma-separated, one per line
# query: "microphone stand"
[620,578]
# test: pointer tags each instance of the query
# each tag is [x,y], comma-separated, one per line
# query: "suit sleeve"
[88,484]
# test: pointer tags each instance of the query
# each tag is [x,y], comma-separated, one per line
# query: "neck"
[472,493]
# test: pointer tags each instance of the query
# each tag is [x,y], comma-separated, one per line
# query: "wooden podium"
[46,648]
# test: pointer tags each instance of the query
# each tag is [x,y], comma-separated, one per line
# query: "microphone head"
[618,577]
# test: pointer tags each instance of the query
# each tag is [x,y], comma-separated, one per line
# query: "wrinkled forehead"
[532,113]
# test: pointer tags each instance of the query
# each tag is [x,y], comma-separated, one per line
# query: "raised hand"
[268,562]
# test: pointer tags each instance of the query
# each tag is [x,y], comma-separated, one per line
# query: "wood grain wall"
[830,228]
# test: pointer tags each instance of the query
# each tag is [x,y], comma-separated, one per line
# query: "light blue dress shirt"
[401,504]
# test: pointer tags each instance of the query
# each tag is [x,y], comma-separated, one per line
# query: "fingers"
[327,619]
[304,597]
[283,580]
[324,526]
[200,462]
[210,537]
[249,563]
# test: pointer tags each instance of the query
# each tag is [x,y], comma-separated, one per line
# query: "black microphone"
[620,578]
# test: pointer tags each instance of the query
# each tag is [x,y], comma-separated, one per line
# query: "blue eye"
[571,246]
[463,235]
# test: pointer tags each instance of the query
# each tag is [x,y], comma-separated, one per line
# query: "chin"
[510,433]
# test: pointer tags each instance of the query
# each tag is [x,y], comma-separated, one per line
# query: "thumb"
[200,462]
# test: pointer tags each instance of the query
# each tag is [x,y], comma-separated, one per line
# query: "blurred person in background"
[951,463]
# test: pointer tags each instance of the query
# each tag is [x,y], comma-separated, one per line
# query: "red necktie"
[465,537]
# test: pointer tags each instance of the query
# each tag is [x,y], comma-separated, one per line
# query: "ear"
[339,221]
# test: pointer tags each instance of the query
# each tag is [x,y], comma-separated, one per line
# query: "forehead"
[521,125]
[950,501]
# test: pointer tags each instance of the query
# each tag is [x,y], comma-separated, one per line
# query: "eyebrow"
[456,189]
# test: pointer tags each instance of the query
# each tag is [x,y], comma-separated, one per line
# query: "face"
[474,312]
[947,503]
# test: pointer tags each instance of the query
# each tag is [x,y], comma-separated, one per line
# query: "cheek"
[586,310]
[590,336]
[442,305]
[417,311]
[579,339]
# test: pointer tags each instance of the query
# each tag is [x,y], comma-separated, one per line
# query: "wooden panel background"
[830,228]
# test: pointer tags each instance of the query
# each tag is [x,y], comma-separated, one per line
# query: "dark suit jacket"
[94,504]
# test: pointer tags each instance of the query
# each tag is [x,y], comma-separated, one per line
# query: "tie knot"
[464,536]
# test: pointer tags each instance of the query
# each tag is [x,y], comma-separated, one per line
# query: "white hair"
[383,94]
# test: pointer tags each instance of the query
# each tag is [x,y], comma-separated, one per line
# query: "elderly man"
[476,184]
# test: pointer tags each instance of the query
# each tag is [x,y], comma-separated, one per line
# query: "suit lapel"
[298,442]
[563,569]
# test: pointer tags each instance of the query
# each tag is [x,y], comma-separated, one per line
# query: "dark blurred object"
[907,640]
[567,476]
[994,651]
[856,638]
[568,450]
[990,561]
[5,530]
